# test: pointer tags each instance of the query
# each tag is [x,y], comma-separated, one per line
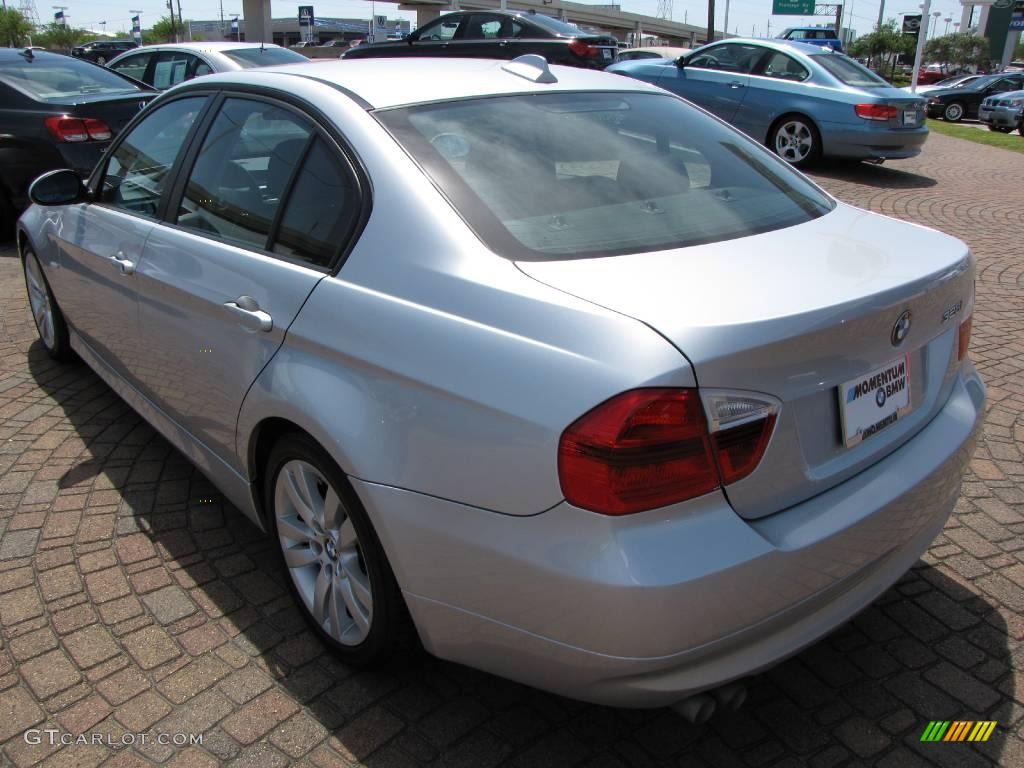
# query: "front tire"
[49,320]
[336,566]
[101,60]
[953,112]
[1000,129]
[796,140]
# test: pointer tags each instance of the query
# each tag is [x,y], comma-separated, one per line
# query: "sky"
[745,16]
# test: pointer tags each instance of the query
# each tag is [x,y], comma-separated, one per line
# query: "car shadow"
[867,174]
[932,647]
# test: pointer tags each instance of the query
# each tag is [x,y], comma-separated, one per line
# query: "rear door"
[490,36]
[260,215]
[716,77]
[101,243]
[776,85]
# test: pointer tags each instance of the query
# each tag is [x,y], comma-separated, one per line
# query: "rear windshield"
[59,78]
[566,175]
[263,57]
[554,25]
[848,71]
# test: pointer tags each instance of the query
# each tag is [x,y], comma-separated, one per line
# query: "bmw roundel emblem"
[880,397]
[900,329]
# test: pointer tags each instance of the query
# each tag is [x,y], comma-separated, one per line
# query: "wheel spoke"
[347,536]
[359,580]
[297,488]
[321,593]
[334,512]
[300,556]
[295,529]
[337,609]
[360,615]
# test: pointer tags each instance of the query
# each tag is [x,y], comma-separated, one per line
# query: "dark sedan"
[499,35]
[955,104]
[102,51]
[56,112]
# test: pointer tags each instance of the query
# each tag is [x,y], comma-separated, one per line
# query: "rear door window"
[170,69]
[245,163]
[782,67]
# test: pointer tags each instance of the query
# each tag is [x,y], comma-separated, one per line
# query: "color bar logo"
[958,730]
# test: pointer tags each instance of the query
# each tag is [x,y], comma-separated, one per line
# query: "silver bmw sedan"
[543,368]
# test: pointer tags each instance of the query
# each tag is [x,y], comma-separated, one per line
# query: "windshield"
[59,78]
[263,57]
[848,71]
[565,175]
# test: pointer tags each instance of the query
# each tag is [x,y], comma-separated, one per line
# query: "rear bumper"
[644,610]
[872,142]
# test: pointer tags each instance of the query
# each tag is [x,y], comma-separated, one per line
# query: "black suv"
[102,51]
[499,35]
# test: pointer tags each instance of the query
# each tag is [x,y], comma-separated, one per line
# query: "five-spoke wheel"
[796,140]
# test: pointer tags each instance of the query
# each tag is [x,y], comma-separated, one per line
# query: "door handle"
[123,263]
[736,84]
[249,314]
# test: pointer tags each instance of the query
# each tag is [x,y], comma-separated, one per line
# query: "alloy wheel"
[322,551]
[39,301]
[954,112]
[794,141]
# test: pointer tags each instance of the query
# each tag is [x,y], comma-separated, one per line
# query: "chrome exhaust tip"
[696,709]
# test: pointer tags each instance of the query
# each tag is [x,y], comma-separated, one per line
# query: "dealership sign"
[306,18]
[911,24]
[1017,20]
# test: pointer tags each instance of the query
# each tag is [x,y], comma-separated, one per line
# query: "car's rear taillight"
[876,111]
[74,129]
[964,339]
[583,50]
[649,448]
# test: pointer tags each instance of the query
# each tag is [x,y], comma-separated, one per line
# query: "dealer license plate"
[909,116]
[605,53]
[874,401]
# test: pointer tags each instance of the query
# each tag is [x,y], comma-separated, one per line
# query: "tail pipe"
[700,707]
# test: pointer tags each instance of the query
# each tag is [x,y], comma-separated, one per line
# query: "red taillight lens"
[98,130]
[72,129]
[67,129]
[876,111]
[964,340]
[643,449]
[582,49]
[738,451]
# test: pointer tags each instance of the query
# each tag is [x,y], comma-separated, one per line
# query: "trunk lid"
[795,314]
[115,111]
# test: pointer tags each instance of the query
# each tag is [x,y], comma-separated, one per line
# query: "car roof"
[201,47]
[777,44]
[390,82]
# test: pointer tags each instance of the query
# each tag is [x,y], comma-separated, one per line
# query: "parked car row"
[960,102]
[542,367]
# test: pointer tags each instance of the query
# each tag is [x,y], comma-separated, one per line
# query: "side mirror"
[412,37]
[62,187]
[681,61]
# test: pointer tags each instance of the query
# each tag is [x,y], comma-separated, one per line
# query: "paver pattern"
[130,603]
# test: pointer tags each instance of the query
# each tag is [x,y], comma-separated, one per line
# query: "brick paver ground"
[130,606]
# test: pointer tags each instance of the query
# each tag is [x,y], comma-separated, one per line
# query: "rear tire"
[796,140]
[49,320]
[1000,129]
[101,60]
[954,112]
[336,567]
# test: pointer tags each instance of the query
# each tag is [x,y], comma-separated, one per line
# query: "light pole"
[948,19]
[921,39]
[935,22]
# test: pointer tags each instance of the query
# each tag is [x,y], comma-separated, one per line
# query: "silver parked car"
[803,101]
[166,65]
[584,386]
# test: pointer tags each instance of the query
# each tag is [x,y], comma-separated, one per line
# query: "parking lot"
[134,600]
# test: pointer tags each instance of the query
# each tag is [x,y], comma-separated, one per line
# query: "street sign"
[793,7]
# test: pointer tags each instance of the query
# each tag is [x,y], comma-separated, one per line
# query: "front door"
[266,206]
[715,78]
[101,244]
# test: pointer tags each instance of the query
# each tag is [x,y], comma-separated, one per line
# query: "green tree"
[61,37]
[883,46]
[163,32]
[958,50]
[15,29]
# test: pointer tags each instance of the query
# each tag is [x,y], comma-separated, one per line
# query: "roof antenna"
[27,53]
